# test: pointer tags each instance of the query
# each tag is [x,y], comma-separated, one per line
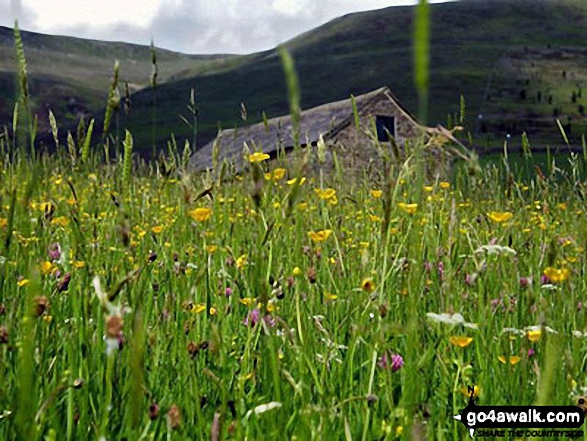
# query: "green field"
[133,307]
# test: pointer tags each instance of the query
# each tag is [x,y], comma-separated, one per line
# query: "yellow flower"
[330,296]
[157,229]
[303,206]
[247,301]
[258,157]
[211,248]
[461,341]
[278,174]
[557,275]
[319,236]
[444,185]
[368,285]
[500,216]
[376,193]
[241,261]
[201,214]
[294,180]
[534,335]
[48,268]
[200,307]
[61,220]
[374,218]
[212,310]
[3,222]
[399,431]
[476,391]
[22,282]
[428,188]
[327,193]
[77,264]
[297,272]
[408,208]
[513,359]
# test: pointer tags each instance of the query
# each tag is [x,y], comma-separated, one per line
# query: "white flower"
[454,319]
[579,334]
[495,249]
[263,408]
[539,328]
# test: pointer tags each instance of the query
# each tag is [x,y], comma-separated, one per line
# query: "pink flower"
[391,360]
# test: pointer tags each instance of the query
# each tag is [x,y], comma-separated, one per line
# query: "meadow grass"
[133,307]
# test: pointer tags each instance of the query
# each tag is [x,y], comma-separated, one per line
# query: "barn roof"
[325,120]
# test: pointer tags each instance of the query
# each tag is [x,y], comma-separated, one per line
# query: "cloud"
[196,27]
[11,10]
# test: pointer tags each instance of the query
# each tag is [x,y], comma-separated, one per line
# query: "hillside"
[352,54]
[360,52]
[72,75]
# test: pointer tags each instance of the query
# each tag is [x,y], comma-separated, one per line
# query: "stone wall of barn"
[357,151]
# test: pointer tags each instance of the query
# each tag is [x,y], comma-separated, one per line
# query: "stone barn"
[380,115]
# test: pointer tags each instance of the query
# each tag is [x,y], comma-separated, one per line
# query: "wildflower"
[454,319]
[48,268]
[330,296]
[241,261]
[153,411]
[157,229]
[114,326]
[54,252]
[513,359]
[495,249]
[3,335]
[200,307]
[227,291]
[296,271]
[78,264]
[278,174]
[252,317]
[525,282]
[376,194]
[444,185]
[319,236]
[368,285]
[173,417]
[408,208]
[3,222]
[258,157]
[247,301]
[63,284]
[325,194]
[61,221]
[557,275]
[534,335]
[500,216]
[467,392]
[460,341]
[201,214]
[391,360]
[211,248]
[41,305]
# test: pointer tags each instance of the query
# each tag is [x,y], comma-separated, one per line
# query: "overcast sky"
[190,26]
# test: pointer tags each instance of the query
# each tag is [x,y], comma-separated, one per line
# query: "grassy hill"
[352,54]
[72,75]
[360,52]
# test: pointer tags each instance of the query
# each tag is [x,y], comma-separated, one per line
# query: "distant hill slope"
[530,89]
[72,75]
[363,51]
[352,54]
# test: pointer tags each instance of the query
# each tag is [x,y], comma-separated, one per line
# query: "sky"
[189,26]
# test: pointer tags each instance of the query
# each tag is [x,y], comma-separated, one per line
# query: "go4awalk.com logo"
[522,421]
